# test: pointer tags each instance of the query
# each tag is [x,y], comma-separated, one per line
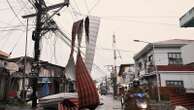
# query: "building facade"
[51,78]
[126,74]
[188,54]
[166,60]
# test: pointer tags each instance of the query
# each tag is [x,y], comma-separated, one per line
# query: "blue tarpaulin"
[45,87]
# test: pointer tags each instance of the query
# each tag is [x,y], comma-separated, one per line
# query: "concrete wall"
[186,77]
[162,55]
[188,54]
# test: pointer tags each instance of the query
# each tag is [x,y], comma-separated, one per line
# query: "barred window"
[174,58]
[174,83]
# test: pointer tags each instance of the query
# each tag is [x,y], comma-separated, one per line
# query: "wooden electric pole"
[114,72]
[44,23]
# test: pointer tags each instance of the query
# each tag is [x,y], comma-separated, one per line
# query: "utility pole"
[36,37]
[43,25]
[24,72]
[114,72]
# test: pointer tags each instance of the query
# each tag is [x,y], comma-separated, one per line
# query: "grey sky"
[149,20]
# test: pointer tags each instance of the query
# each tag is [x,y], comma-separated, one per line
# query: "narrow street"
[109,103]
[81,54]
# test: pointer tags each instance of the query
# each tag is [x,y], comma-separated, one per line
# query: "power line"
[15,45]
[102,48]
[138,21]
[14,12]
[76,5]
[9,30]
[109,49]
[132,20]
[72,13]
[160,17]
[98,1]
[28,9]
[86,4]
[66,39]
[14,26]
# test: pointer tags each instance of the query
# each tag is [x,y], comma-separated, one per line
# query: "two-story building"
[167,61]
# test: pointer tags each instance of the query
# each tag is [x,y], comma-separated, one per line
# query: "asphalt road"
[109,103]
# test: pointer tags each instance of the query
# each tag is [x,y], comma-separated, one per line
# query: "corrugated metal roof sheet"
[87,92]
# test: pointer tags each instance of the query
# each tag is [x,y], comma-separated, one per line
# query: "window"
[140,65]
[150,58]
[174,83]
[174,58]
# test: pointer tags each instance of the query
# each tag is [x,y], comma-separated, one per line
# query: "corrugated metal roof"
[87,92]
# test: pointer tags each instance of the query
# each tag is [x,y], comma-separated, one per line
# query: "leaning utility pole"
[114,72]
[44,24]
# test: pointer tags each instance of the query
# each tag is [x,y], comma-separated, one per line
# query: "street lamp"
[155,66]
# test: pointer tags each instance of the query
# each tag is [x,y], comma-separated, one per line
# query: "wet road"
[109,103]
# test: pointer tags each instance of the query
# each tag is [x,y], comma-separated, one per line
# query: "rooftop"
[175,41]
[31,59]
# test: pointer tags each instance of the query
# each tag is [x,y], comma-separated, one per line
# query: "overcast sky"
[148,20]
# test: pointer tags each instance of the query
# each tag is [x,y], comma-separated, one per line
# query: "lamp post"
[155,66]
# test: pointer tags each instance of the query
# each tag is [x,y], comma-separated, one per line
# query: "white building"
[188,54]
[170,64]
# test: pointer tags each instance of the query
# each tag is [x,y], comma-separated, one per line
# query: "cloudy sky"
[148,20]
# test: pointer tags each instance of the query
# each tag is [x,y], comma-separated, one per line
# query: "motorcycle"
[139,101]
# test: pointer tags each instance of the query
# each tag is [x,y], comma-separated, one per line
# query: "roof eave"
[148,47]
